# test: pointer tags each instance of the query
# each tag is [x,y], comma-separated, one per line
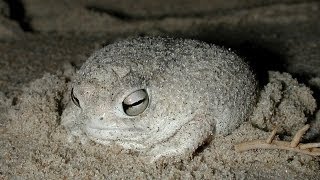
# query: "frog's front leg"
[186,140]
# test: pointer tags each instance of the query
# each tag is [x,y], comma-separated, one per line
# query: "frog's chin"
[130,144]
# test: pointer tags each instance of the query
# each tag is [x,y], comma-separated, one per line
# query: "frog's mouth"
[133,137]
[116,133]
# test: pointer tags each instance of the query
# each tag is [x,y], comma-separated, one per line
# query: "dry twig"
[312,149]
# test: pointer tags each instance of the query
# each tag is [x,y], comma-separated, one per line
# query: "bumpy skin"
[195,90]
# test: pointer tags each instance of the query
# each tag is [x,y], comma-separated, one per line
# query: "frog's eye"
[74,99]
[136,102]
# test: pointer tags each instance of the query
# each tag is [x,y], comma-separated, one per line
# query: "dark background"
[38,36]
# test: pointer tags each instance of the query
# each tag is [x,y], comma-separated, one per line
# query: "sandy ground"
[43,42]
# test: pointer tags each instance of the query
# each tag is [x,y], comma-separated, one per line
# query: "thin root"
[312,149]
[271,137]
[297,137]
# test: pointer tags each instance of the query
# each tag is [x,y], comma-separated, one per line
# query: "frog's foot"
[312,149]
[75,134]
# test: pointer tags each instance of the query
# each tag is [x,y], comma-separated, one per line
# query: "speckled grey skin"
[194,90]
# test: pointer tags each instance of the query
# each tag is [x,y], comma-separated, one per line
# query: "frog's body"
[159,96]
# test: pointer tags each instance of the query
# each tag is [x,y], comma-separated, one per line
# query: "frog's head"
[129,105]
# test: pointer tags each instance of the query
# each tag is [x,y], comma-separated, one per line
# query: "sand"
[33,145]
[36,66]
